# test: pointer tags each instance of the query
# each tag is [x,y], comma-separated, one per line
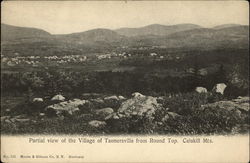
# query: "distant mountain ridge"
[156,29]
[226,26]
[187,36]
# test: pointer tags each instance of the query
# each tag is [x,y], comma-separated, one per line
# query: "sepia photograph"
[124,68]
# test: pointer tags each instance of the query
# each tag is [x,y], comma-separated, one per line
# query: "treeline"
[53,81]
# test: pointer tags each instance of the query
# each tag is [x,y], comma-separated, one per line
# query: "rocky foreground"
[136,114]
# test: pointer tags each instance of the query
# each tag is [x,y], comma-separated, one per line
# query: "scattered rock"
[219,88]
[97,124]
[37,100]
[201,90]
[69,107]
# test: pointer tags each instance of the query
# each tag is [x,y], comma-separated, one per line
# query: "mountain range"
[172,36]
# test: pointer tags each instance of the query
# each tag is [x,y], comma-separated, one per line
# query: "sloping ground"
[138,114]
[241,104]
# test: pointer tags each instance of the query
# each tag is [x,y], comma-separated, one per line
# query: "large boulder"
[201,90]
[137,106]
[219,88]
[69,107]
[58,98]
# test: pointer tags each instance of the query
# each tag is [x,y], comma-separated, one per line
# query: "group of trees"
[52,82]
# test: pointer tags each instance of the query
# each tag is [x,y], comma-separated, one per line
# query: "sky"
[62,17]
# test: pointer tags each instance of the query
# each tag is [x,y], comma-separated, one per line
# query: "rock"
[41,114]
[116,116]
[160,99]
[3,118]
[37,100]
[111,98]
[70,106]
[242,104]
[103,113]
[109,117]
[8,121]
[201,90]
[22,120]
[241,100]
[90,95]
[173,115]
[170,115]
[139,106]
[240,128]
[58,98]
[121,98]
[97,101]
[97,124]
[219,88]
[137,94]
[20,116]
[202,72]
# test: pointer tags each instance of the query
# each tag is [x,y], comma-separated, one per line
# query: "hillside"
[206,38]
[9,32]
[95,35]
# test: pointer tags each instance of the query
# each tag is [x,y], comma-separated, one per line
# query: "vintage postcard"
[125,81]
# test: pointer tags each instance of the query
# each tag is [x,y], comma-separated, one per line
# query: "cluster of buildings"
[36,60]
[111,55]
